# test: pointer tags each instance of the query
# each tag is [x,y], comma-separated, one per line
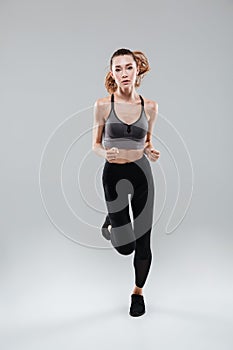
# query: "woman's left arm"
[149,149]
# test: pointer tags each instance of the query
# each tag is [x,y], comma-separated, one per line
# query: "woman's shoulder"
[102,101]
[103,105]
[151,108]
[150,104]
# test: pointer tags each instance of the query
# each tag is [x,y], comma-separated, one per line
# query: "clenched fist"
[111,154]
[152,153]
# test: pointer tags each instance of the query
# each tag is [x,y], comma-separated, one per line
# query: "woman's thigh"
[117,186]
[142,201]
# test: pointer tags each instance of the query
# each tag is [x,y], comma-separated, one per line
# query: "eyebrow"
[126,65]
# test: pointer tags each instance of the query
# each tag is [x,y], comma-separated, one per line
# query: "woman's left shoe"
[104,229]
[137,307]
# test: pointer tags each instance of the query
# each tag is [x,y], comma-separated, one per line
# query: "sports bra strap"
[142,101]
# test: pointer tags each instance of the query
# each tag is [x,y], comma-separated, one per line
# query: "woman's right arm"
[98,126]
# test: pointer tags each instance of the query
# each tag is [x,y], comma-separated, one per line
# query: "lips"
[125,81]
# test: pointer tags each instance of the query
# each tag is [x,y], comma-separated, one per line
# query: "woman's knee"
[126,249]
[143,246]
[145,254]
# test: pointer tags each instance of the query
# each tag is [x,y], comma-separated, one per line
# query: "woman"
[124,121]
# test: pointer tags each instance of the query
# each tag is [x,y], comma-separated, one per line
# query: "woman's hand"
[152,153]
[111,154]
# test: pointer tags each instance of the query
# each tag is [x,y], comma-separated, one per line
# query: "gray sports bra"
[118,134]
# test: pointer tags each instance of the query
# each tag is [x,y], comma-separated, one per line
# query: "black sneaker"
[104,228]
[137,307]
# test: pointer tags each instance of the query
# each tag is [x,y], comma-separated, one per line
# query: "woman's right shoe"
[104,228]
[137,307]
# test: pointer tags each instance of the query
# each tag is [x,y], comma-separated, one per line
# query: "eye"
[131,67]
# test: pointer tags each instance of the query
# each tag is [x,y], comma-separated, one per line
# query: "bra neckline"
[142,108]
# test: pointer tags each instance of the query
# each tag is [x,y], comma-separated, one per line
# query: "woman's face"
[124,68]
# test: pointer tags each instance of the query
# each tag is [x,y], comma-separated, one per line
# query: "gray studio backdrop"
[62,286]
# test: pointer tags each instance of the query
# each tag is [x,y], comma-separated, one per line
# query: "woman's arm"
[149,149]
[101,108]
[98,126]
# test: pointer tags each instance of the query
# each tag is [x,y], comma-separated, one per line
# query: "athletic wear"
[133,178]
[137,307]
[118,134]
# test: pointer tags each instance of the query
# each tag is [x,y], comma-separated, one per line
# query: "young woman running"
[124,121]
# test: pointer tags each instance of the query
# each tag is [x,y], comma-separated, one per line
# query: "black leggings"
[133,178]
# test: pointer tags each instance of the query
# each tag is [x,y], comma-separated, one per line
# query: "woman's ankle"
[137,290]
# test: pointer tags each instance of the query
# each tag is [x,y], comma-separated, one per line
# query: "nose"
[124,74]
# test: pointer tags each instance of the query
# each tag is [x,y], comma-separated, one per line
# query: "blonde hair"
[141,62]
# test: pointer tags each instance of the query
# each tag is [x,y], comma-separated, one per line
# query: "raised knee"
[126,249]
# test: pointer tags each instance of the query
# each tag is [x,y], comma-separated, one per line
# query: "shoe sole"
[136,315]
[106,233]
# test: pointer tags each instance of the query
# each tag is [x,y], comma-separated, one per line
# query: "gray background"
[58,294]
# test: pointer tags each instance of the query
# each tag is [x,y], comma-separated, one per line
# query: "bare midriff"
[127,155]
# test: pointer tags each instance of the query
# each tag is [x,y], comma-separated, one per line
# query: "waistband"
[143,159]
